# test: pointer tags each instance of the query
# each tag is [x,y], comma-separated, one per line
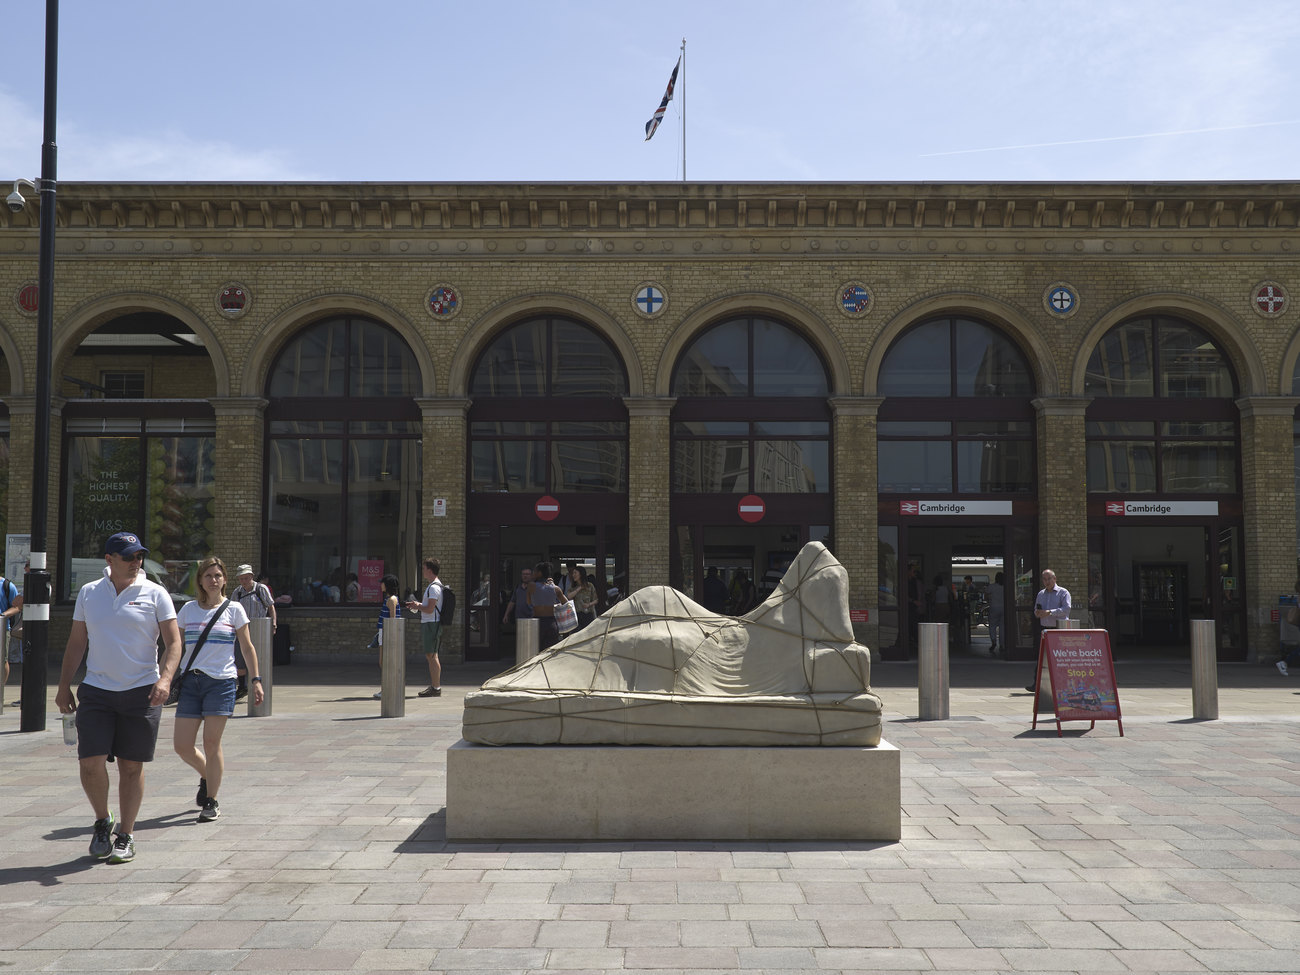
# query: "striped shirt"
[217,656]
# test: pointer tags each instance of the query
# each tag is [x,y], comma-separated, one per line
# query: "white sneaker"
[1281,668]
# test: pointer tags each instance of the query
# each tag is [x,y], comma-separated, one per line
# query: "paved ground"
[1175,848]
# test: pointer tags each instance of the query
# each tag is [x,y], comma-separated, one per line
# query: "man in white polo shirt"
[115,627]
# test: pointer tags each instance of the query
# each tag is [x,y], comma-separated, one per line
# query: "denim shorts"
[203,696]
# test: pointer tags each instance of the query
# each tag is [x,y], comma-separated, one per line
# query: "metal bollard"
[932,671]
[392,654]
[259,631]
[527,637]
[1205,672]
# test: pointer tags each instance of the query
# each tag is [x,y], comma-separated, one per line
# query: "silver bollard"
[932,671]
[392,655]
[259,631]
[1205,672]
[527,636]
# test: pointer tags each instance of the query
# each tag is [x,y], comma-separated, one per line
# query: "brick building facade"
[850,269]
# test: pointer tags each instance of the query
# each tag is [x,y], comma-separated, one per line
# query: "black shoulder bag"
[179,680]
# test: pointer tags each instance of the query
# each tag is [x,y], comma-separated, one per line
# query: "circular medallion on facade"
[27,298]
[854,299]
[1061,300]
[649,299]
[1269,299]
[443,301]
[232,300]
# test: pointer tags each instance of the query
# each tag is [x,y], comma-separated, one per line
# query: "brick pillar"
[1063,492]
[239,487]
[22,446]
[856,544]
[1268,511]
[446,444]
[649,490]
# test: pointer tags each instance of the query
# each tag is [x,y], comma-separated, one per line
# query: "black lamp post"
[36,587]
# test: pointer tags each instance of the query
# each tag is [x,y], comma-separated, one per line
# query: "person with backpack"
[11,603]
[438,604]
[256,599]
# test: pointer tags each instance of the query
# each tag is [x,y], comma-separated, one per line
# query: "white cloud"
[87,156]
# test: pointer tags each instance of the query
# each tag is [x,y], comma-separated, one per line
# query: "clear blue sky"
[877,90]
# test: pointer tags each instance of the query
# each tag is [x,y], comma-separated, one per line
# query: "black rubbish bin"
[280,655]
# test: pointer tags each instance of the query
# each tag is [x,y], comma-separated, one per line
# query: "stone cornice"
[1059,406]
[762,209]
[456,407]
[652,406]
[856,405]
[1274,406]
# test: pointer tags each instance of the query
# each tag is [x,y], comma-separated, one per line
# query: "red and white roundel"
[1269,299]
[547,508]
[28,298]
[751,508]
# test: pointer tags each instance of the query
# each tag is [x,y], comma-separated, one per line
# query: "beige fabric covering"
[659,669]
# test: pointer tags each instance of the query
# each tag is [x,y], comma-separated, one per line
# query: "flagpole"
[683,110]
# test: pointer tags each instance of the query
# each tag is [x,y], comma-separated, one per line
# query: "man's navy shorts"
[120,723]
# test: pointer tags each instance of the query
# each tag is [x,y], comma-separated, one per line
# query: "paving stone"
[1174,849]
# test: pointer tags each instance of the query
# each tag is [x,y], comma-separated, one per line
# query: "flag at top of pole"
[658,117]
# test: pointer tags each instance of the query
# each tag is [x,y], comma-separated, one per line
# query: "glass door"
[486,603]
[1022,584]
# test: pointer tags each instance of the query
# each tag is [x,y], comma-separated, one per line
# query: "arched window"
[548,412]
[1163,419]
[139,447]
[772,432]
[957,417]
[343,471]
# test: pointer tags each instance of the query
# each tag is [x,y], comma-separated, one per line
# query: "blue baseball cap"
[123,543]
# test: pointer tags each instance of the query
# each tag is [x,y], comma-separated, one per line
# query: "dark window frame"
[346,409]
[1162,409]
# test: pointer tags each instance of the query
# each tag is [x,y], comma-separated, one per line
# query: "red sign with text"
[547,508]
[1081,671]
[370,575]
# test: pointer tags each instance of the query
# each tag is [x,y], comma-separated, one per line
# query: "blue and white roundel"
[649,300]
[1061,300]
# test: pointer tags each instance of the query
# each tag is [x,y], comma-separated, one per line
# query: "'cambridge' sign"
[950,508]
[1163,509]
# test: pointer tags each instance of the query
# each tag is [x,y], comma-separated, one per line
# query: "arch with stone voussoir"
[9,351]
[802,319]
[1227,332]
[1025,334]
[87,317]
[494,321]
[287,323]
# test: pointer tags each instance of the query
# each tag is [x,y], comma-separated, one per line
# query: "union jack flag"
[663,105]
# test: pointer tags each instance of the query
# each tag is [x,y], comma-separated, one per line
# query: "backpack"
[6,587]
[448,612]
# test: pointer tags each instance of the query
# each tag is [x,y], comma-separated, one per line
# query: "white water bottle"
[70,728]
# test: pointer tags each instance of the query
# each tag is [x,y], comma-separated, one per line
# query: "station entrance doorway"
[757,554]
[496,556]
[1148,578]
[923,570]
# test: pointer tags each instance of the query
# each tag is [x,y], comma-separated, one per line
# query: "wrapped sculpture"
[659,669]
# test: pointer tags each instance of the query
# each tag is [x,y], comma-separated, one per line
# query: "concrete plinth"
[596,792]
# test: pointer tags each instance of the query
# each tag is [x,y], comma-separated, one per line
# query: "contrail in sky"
[1112,138]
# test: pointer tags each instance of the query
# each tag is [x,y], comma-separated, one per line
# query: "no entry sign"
[548,509]
[751,508]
